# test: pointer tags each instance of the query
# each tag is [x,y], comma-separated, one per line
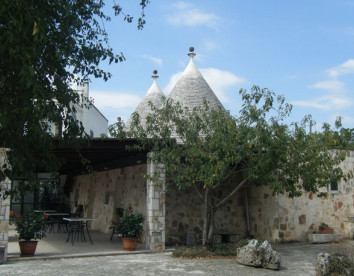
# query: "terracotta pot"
[27,248]
[326,231]
[129,243]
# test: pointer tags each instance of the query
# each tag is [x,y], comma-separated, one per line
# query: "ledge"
[324,238]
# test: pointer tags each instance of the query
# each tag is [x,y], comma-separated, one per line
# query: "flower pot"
[326,231]
[129,243]
[27,248]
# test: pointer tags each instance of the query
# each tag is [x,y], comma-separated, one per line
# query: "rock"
[327,264]
[322,263]
[258,254]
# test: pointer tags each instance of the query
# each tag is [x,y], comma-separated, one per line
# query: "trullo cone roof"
[153,95]
[192,88]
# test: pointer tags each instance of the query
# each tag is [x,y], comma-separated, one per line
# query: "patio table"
[44,211]
[77,227]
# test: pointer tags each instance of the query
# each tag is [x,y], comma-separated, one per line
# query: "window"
[334,187]
[106,197]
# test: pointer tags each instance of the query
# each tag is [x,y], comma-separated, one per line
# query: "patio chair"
[77,232]
[79,212]
[50,223]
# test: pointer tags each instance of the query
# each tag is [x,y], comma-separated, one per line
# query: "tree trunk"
[205,216]
[208,220]
[209,241]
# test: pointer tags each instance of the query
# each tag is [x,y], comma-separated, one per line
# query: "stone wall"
[184,212]
[279,218]
[4,213]
[102,192]
[155,209]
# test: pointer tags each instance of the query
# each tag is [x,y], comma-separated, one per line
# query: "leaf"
[35,28]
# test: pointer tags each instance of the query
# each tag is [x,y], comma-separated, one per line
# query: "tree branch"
[198,192]
[238,187]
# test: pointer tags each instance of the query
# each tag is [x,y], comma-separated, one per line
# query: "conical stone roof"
[192,89]
[153,95]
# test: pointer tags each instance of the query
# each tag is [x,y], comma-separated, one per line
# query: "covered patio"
[109,159]
[54,245]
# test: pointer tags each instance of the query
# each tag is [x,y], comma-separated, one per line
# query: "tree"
[208,149]
[45,46]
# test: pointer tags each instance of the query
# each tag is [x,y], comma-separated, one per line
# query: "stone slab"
[324,238]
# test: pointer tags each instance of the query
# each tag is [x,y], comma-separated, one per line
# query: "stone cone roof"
[153,95]
[192,89]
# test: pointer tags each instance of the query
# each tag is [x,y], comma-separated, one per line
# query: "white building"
[94,122]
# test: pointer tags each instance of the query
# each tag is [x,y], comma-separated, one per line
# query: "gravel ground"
[297,259]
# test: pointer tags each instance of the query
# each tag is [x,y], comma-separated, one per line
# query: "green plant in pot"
[30,227]
[129,225]
[325,229]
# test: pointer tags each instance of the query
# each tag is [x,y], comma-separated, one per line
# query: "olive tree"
[208,148]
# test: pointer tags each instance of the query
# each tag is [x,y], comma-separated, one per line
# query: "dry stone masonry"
[4,213]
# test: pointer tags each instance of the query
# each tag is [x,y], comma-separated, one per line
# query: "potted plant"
[30,226]
[130,226]
[325,229]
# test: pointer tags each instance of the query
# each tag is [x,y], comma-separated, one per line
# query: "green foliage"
[130,224]
[323,226]
[335,264]
[30,225]
[211,146]
[45,47]
[197,252]
[340,264]
[52,197]
[209,149]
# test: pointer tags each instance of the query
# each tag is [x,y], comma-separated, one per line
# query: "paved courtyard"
[297,259]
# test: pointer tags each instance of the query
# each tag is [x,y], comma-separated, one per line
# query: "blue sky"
[301,49]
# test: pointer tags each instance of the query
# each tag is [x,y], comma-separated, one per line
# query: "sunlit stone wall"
[279,218]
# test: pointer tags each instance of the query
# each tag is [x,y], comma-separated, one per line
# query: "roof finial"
[191,54]
[154,76]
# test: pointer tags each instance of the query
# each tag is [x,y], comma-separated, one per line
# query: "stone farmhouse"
[256,211]
[171,215]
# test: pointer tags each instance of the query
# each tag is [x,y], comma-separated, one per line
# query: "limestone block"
[322,263]
[324,238]
[258,255]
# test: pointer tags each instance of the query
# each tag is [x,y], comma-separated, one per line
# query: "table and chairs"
[74,224]
[77,227]
[57,218]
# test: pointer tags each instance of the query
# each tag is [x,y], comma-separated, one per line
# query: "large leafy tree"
[45,47]
[210,149]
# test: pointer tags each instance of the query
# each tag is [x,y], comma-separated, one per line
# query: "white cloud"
[157,61]
[218,80]
[345,68]
[117,100]
[186,14]
[211,45]
[334,99]
[331,85]
[336,96]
